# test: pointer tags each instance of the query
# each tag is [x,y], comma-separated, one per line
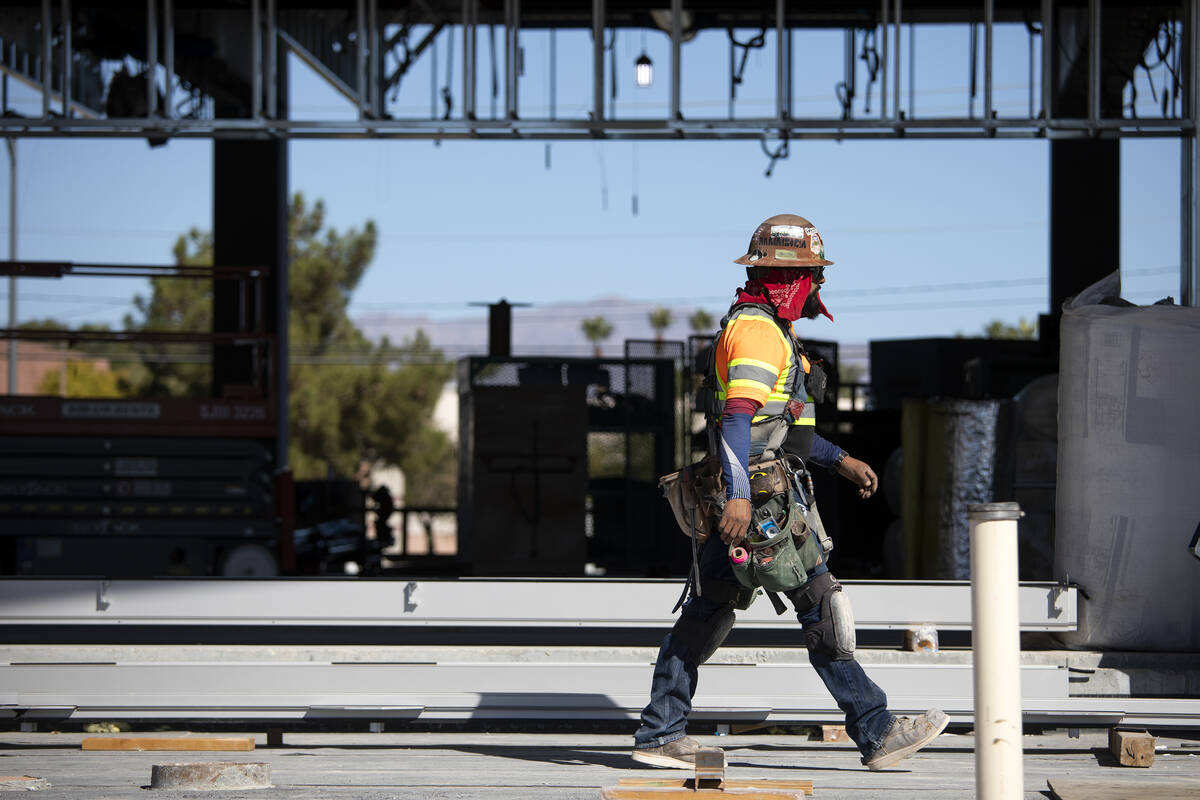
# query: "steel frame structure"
[267,40]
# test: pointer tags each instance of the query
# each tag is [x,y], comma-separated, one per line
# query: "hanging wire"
[870,57]
[495,79]
[447,95]
[774,155]
[756,42]
[844,89]
[973,69]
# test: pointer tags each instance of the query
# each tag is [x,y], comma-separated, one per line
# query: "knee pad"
[702,637]
[833,634]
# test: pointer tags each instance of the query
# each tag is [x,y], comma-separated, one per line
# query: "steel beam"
[452,690]
[66,57]
[48,57]
[1189,226]
[676,59]
[596,603]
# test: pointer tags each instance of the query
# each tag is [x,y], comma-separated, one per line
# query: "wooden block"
[648,793]
[168,743]
[274,737]
[1064,789]
[1132,748]
[745,783]
[834,733]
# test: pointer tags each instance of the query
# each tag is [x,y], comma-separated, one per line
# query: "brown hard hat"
[785,240]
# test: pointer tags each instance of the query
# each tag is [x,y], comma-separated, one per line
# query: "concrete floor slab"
[533,766]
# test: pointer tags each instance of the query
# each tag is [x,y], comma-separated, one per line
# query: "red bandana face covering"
[786,289]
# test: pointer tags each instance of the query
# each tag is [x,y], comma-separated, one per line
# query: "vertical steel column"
[169,57]
[896,64]
[883,59]
[1047,62]
[469,17]
[912,70]
[780,61]
[553,71]
[47,59]
[989,18]
[66,59]
[256,70]
[272,65]
[373,42]
[676,56]
[1093,91]
[12,256]
[151,58]
[1189,279]
[597,61]
[512,27]
[360,57]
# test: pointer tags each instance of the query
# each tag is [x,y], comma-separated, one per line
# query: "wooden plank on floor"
[194,743]
[729,783]
[1123,789]
[650,793]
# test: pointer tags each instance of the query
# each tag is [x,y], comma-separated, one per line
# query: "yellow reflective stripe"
[754,362]
[805,421]
[747,382]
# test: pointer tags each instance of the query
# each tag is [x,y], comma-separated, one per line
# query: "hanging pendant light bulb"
[643,71]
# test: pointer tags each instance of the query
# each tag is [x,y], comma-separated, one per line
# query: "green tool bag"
[780,552]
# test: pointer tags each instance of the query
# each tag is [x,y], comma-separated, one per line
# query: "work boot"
[906,736]
[677,754]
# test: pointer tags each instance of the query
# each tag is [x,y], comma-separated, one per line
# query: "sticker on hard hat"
[789,255]
[794,231]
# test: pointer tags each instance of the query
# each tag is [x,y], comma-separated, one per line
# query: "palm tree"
[701,322]
[596,329]
[660,320]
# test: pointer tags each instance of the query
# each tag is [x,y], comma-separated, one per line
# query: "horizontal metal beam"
[458,691]
[556,129]
[580,603]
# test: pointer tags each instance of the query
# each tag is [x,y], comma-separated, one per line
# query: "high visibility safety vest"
[787,401]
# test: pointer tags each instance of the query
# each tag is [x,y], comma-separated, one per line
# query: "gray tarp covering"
[1129,470]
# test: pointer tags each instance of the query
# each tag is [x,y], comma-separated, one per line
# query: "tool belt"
[782,561]
[697,492]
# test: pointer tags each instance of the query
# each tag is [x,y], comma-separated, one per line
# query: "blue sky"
[469,221]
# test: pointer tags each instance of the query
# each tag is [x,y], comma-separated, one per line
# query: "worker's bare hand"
[735,520]
[860,474]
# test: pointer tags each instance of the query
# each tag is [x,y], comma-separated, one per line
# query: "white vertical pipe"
[996,641]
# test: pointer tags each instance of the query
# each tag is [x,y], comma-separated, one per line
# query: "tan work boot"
[677,754]
[906,736]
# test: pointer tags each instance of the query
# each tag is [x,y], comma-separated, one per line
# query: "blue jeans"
[673,686]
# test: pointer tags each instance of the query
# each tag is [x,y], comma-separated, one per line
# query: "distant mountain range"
[554,329]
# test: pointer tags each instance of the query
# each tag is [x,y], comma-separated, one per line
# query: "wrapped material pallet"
[1129,470]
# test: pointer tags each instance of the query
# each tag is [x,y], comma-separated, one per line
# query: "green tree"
[998,329]
[596,329]
[660,320]
[84,379]
[701,322]
[348,398]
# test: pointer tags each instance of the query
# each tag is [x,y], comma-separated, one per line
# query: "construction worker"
[761,414]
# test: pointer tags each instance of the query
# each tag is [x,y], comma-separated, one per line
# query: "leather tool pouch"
[697,495]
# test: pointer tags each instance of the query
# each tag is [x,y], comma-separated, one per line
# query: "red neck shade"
[782,288]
